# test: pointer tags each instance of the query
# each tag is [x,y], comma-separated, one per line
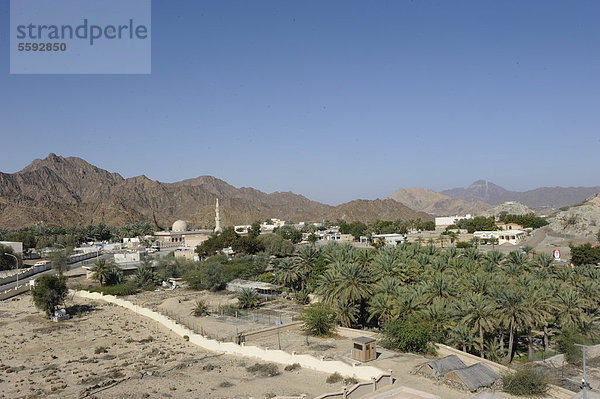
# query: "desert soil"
[40,358]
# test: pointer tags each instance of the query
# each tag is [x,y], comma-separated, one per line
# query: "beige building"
[512,237]
[180,236]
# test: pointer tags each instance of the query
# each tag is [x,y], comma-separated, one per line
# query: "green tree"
[49,292]
[248,298]
[60,261]
[585,254]
[319,319]
[254,230]
[101,270]
[276,245]
[407,335]
[479,315]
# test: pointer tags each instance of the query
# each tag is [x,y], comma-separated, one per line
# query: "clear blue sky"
[335,100]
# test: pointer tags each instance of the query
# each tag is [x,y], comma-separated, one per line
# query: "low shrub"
[528,381]
[200,308]
[350,381]
[408,336]
[100,349]
[292,367]
[225,384]
[264,369]
[186,337]
[334,378]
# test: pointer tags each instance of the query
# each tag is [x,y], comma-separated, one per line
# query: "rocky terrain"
[580,220]
[68,190]
[434,203]
[510,207]
[539,198]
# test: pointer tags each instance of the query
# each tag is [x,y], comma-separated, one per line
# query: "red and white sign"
[556,254]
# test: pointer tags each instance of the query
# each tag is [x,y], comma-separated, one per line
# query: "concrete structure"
[262,288]
[390,239]
[17,247]
[364,349]
[511,237]
[179,235]
[508,226]
[445,221]
[129,257]
[218,228]
[362,372]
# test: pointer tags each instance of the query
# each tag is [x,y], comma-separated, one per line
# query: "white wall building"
[390,239]
[128,257]
[17,247]
[445,221]
[513,237]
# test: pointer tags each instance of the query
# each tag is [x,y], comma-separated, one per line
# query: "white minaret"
[217,219]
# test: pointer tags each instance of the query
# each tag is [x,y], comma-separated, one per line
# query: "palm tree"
[512,313]
[570,308]
[353,282]
[494,241]
[347,313]
[440,286]
[381,306]
[248,298]
[100,270]
[543,261]
[287,273]
[495,257]
[479,315]
[517,258]
[327,286]
[304,261]
[462,336]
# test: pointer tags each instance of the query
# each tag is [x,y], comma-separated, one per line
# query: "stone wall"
[230,348]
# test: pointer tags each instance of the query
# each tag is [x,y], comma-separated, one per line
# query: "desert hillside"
[68,190]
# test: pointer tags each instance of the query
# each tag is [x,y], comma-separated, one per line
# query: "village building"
[445,221]
[500,237]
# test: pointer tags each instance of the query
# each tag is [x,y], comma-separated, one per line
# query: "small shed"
[477,376]
[364,349]
[439,367]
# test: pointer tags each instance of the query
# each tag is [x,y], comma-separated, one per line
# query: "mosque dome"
[179,225]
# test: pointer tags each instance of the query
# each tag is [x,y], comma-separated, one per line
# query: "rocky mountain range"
[69,190]
[539,198]
[479,197]
[435,203]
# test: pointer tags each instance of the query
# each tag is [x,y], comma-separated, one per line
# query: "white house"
[17,247]
[513,237]
[445,221]
[390,239]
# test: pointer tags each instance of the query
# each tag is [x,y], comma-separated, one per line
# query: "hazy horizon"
[335,101]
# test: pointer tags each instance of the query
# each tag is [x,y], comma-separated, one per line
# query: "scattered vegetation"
[292,367]
[334,378]
[200,309]
[527,381]
[350,381]
[319,319]
[100,349]
[264,369]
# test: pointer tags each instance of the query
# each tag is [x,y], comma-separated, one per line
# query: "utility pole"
[583,380]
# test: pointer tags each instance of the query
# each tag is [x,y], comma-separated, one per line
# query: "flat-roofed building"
[512,237]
